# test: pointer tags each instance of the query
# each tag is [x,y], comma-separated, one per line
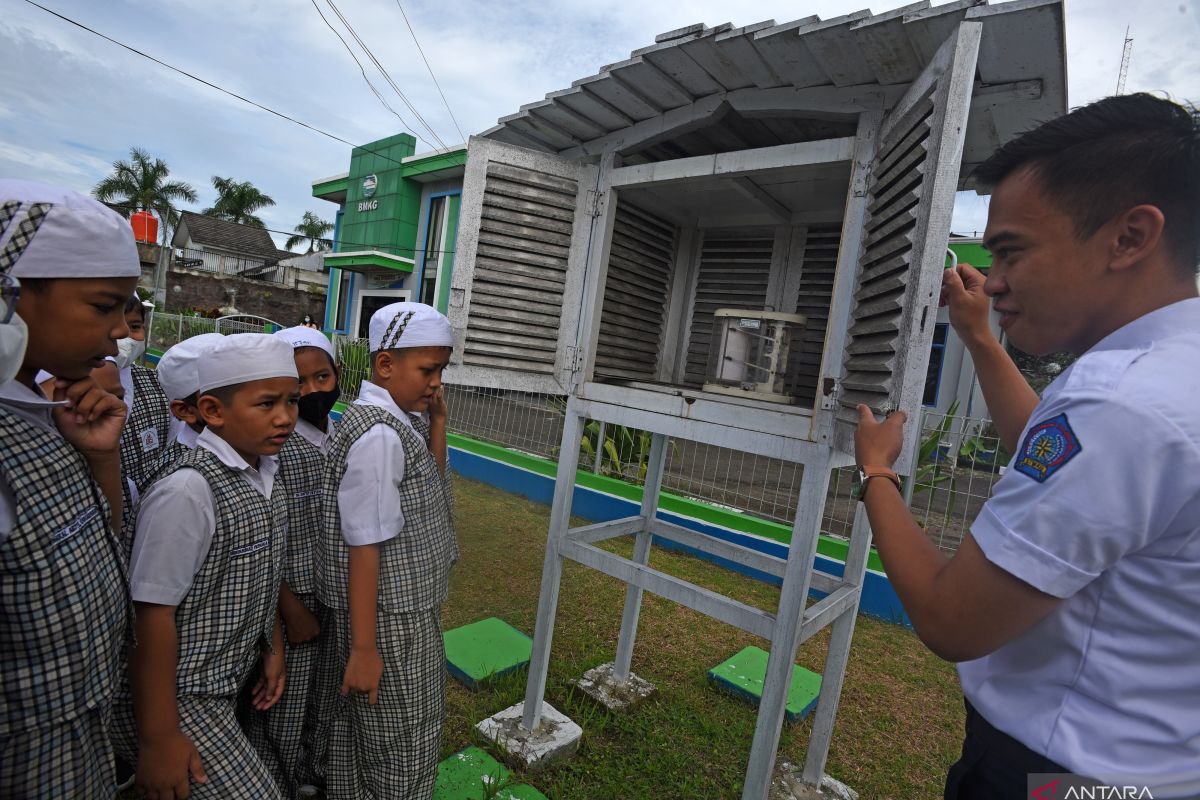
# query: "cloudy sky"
[71,103]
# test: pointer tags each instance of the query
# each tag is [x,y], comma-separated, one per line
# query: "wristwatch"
[864,474]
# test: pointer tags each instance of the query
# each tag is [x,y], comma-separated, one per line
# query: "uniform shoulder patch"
[1047,448]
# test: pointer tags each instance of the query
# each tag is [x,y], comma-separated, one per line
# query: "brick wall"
[188,290]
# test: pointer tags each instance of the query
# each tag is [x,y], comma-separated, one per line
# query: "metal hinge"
[574,359]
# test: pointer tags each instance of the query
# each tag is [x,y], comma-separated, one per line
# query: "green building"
[395,229]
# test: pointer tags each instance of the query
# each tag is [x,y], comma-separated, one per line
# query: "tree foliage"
[312,229]
[141,184]
[237,202]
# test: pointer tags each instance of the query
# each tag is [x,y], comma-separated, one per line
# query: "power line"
[374,91]
[212,85]
[387,77]
[435,80]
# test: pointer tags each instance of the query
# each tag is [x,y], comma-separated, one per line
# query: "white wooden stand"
[786,627]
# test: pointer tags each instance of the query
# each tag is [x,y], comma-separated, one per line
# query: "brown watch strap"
[880,472]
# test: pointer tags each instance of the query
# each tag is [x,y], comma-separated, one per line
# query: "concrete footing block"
[555,739]
[786,784]
[600,684]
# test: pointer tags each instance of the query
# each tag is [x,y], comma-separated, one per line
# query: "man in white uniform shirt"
[1073,605]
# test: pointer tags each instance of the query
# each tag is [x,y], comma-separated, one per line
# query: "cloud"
[490,58]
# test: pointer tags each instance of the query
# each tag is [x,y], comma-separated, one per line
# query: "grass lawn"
[898,728]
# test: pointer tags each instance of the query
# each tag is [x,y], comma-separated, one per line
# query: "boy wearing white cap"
[277,733]
[207,561]
[178,376]
[149,422]
[64,608]
[384,565]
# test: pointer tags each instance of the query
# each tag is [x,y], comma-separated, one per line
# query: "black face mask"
[315,406]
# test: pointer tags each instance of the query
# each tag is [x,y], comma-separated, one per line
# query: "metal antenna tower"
[1124,62]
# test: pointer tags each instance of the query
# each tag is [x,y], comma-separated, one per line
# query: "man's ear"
[212,412]
[1136,235]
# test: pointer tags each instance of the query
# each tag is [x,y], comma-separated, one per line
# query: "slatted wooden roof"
[695,84]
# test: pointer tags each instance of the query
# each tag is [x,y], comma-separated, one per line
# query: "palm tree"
[311,229]
[140,184]
[237,202]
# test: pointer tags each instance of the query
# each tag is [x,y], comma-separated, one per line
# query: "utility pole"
[1124,73]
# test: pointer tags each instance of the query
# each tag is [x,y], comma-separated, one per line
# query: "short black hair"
[223,393]
[332,363]
[1112,155]
[135,303]
[36,285]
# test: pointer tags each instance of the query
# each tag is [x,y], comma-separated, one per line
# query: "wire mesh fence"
[952,474]
[167,330]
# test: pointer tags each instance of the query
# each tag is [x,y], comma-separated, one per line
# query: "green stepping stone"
[742,675]
[485,649]
[472,774]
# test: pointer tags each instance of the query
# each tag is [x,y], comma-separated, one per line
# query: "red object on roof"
[145,226]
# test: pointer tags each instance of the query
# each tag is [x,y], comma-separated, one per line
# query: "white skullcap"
[409,325]
[50,232]
[178,371]
[243,357]
[301,336]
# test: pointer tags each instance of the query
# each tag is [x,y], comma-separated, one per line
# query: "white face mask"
[129,350]
[13,337]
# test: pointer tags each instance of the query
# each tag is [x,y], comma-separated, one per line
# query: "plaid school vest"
[146,429]
[301,464]
[414,567]
[229,613]
[64,592]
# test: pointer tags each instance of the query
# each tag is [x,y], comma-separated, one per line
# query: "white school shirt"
[314,435]
[369,494]
[177,520]
[33,407]
[126,375]
[186,435]
[1101,507]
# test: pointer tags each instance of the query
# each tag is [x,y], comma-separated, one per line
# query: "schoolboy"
[277,733]
[207,562]
[64,608]
[148,425]
[178,376]
[387,550]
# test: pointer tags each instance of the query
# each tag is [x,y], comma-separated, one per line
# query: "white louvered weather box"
[733,238]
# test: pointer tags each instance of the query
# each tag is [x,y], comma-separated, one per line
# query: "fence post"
[911,481]
[599,448]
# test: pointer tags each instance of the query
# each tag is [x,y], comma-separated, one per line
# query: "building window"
[937,357]
[341,319]
[435,238]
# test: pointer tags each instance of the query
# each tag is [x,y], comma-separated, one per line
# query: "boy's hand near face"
[92,419]
[91,422]
[438,409]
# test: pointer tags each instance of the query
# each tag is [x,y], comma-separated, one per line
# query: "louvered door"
[813,299]
[734,272]
[913,180]
[635,295]
[514,301]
